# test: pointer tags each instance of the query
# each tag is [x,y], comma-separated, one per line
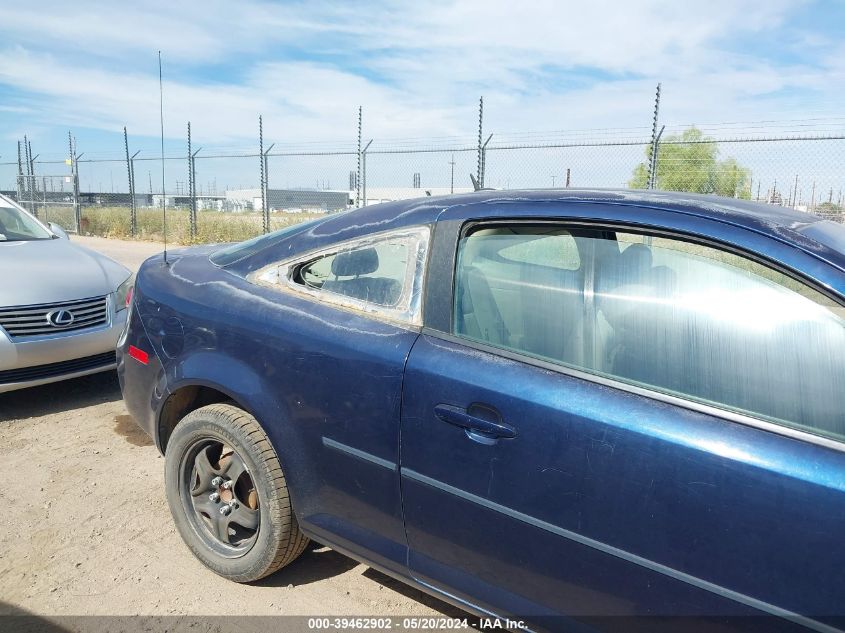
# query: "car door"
[605,421]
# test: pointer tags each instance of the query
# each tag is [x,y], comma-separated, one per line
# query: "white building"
[376,195]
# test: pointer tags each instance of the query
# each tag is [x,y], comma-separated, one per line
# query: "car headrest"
[635,260]
[359,262]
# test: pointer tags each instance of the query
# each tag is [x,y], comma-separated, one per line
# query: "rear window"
[239,251]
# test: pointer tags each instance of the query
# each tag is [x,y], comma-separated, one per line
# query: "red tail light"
[129,295]
[138,354]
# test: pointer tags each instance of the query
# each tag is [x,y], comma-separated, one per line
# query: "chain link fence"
[227,197]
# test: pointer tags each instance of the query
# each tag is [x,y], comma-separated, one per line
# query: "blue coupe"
[550,406]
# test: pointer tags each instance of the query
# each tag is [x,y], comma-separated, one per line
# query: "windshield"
[17,226]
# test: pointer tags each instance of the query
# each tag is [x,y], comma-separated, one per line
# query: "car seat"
[365,261]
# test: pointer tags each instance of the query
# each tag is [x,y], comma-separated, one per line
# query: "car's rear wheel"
[228,494]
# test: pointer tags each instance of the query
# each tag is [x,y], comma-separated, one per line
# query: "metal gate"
[51,198]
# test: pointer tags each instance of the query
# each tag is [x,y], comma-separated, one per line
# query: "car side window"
[522,288]
[552,248]
[381,274]
[374,273]
[669,315]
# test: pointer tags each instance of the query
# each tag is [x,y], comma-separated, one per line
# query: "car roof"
[809,232]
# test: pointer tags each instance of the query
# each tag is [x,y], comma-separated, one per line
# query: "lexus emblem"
[60,318]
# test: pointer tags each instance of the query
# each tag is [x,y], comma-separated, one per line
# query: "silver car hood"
[50,271]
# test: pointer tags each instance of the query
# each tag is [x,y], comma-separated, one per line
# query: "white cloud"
[417,68]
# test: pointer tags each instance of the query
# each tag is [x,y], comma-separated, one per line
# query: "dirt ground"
[86,529]
[130,253]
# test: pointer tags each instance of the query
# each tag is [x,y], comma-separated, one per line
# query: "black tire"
[239,553]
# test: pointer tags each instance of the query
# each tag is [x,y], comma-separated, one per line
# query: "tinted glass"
[522,288]
[667,314]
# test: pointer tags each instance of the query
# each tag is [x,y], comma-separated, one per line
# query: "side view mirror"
[57,230]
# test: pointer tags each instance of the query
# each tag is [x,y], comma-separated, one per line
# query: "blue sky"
[416,68]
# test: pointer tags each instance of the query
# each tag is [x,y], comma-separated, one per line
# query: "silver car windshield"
[17,226]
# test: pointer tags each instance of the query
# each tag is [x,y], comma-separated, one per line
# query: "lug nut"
[234,504]
[214,497]
[216,481]
[227,484]
[225,510]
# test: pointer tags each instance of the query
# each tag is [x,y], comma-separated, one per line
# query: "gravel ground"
[86,529]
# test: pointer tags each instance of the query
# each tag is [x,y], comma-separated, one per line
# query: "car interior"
[654,316]
[350,273]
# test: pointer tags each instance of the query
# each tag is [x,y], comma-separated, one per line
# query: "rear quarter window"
[242,250]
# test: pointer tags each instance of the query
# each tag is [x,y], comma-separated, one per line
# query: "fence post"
[131,187]
[44,198]
[358,174]
[655,149]
[26,183]
[74,174]
[265,212]
[652,163]
[133,217]
[191,228]
[33,183]
[478,170]
[364,169]
[28,188]
[193,167]
[267,182]
[20,176]
[192,186]
[483,161]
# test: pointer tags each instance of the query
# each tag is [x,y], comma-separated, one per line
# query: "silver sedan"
[62,306]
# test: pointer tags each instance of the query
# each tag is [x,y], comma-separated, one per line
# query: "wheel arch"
[210,377]
[190,396]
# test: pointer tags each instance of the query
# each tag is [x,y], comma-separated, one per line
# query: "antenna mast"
[161,120]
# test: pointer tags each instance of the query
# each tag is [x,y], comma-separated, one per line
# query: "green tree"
[829,208]
[690,162]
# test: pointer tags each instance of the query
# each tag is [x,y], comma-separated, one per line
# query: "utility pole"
[567,177]
[452,181]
